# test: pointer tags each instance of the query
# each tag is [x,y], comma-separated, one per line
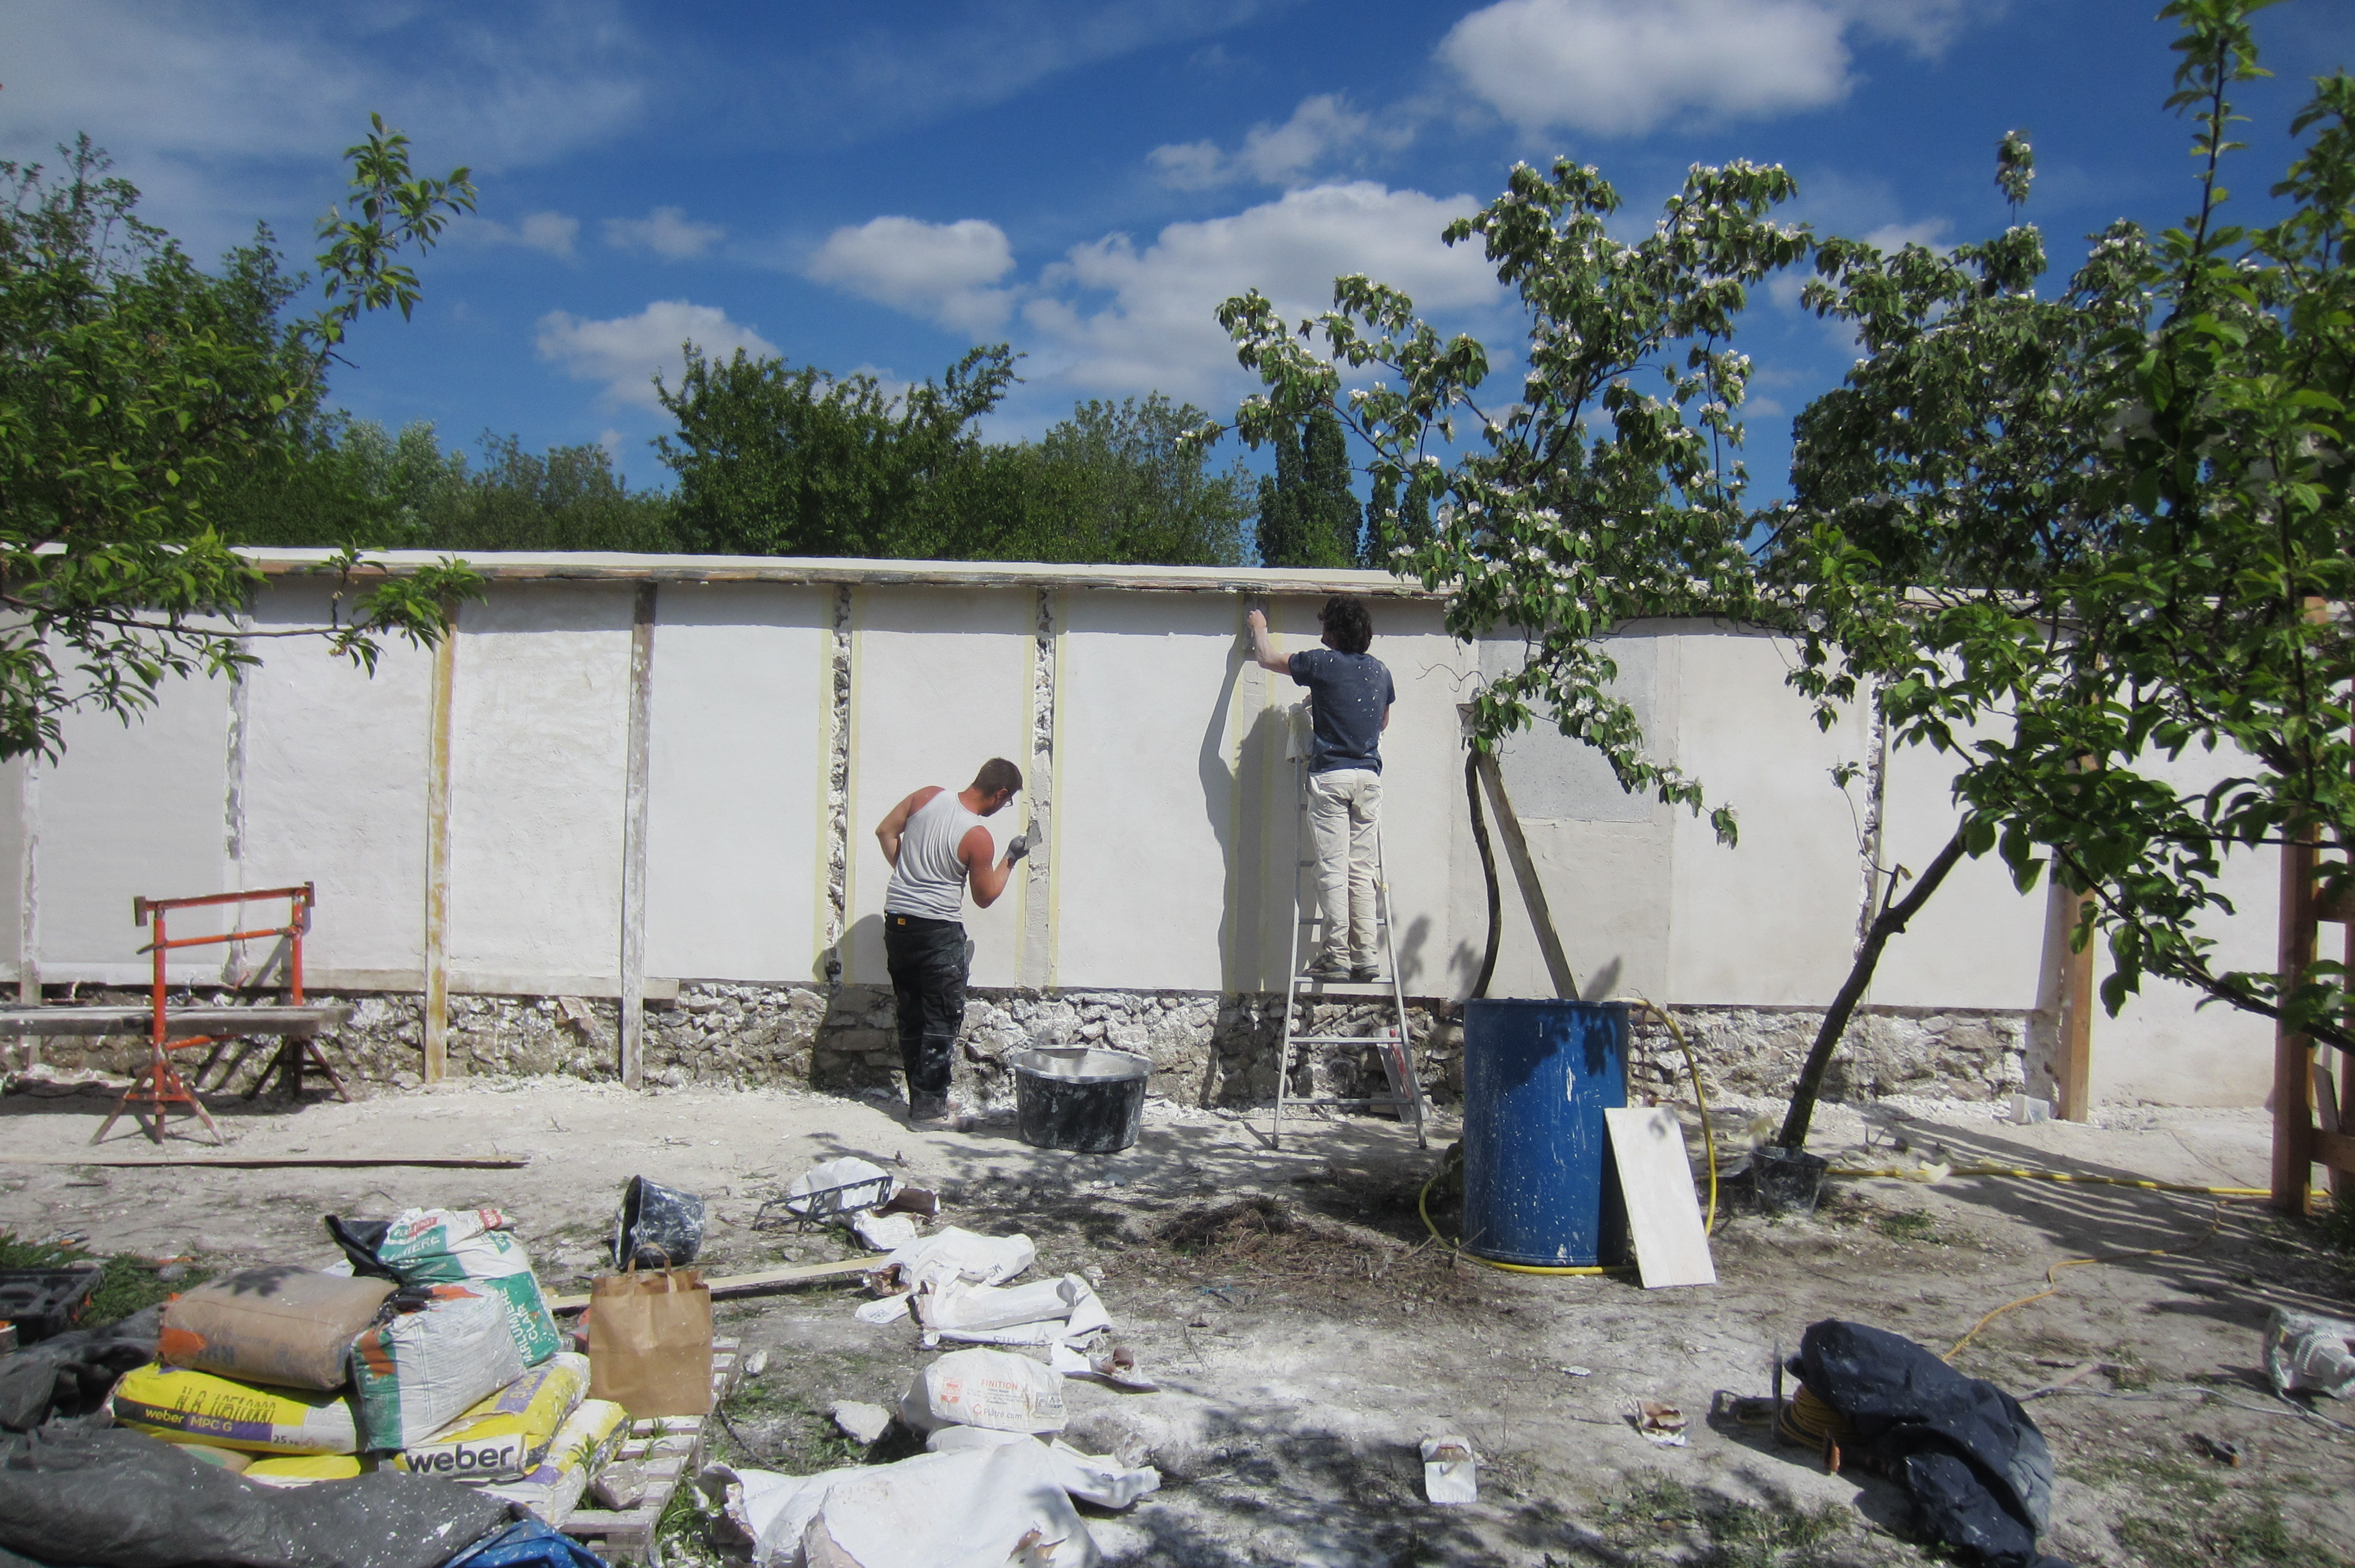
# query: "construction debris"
[1449,1468]
[2307,1351]
[860,1422]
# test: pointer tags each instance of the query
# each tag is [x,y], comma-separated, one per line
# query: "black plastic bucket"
[1786,1181]
[658,1227]
[1078,1099]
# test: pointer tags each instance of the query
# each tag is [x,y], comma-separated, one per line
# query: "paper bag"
[650,1342]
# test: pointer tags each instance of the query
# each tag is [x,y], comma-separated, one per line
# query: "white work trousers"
[1345,815]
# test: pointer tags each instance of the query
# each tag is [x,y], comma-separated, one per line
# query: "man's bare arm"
[895,823]
[1263,646]
[987,880]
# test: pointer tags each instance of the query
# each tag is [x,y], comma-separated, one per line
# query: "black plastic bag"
[658,1226]
[116,1499]
[71,1374]
[1972,1461]
[359,1239]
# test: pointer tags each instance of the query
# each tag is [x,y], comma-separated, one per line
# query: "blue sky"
[1084,181]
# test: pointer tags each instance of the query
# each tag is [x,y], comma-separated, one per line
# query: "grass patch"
[2337,1225]
[129,1284]
[1657,1519]
[2247,1532]
[1910,1225]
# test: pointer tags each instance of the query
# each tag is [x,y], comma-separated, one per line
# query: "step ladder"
[1304,990]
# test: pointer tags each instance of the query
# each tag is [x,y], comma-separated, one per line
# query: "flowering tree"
[132,385]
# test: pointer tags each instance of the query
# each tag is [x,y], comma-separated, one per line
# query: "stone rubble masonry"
[1206,1050]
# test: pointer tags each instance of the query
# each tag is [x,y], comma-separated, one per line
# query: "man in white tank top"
[937,847]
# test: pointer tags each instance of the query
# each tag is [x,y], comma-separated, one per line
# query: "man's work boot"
[1364,974]
[933,1112]
[1329,970]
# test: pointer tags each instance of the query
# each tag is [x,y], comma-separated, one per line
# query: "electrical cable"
[2052,1275]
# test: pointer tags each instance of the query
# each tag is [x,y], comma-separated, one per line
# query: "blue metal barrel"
[1539,1184]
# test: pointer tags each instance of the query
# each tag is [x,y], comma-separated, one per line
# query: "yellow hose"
[1901,1171]
[1709,1140]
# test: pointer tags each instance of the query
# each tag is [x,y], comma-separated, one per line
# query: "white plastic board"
[1663,1214]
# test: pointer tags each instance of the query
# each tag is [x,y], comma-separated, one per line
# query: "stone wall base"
[1206,1050]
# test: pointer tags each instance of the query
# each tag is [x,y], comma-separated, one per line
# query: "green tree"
[774,460]
[134,388]
[1308,516]
[2115,526]
[1122,483]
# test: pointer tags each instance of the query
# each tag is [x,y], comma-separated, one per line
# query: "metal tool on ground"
[1393,1047]
[160,1085]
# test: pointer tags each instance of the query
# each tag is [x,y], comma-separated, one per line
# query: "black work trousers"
[928,975]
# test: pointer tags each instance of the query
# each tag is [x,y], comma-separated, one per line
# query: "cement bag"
[958,1254]
[418,1370]
[977,1508]
[1044,1312]
[995,1389]
[589,1438]
[447,1246]
[759,1515]
[288,1327]
[1094,1479]
[504,1436]
[302,1469]
[197,1407]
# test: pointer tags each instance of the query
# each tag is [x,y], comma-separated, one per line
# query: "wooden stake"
[634,838]
[437,851]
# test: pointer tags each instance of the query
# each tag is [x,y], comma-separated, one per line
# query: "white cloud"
[227,111]
[939,270]
[1114,317]
[1322,130]
[667,231]
[550,231]
[626,352]
[1626,66]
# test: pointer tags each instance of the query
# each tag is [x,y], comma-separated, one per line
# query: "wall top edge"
[596,567]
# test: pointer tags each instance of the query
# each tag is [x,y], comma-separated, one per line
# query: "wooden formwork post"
[634,837]
[436,1021]
[2294,1053]
[2073,1085]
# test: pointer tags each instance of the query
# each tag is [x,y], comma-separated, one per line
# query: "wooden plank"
[1647,1145]
[2335,1149]
[635,774]
[752,1283]
[1525,872]
[590,565]
[302,1021]
[436,1006]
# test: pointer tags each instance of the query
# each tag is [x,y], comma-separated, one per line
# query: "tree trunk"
[1889,923]
[1488,870]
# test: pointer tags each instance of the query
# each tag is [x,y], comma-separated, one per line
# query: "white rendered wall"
[540,723]
[2163,1046]
[940,684]
[736,829]
[1170,748]
[1772,920]
[133,809]
[1979,941]
[334,789]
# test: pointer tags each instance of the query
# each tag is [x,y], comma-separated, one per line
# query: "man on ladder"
[1350,696]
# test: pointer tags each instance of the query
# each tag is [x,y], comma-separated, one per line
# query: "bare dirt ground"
[1307,1335]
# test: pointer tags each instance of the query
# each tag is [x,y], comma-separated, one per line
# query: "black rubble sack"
[71,1374]
[1971,1458]
[117,1498]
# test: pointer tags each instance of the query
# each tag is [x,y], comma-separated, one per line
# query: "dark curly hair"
[1347,623]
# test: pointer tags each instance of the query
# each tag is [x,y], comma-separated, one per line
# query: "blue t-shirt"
[1348,695]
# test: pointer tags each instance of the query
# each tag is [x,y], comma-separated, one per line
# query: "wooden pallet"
[666,1450]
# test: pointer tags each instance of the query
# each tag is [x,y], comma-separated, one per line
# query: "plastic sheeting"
[71,1374]
[1975,1464]
[112,1498]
